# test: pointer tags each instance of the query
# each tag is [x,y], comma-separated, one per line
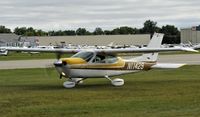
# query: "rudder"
[155,42]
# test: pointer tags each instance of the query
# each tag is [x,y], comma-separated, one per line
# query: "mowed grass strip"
[155,93]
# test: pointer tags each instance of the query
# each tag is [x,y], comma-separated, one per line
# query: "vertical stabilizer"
[155,42]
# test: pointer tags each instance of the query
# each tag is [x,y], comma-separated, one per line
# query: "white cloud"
[108,14]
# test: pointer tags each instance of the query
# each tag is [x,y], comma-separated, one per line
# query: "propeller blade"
[61,76]
[49,71]
[58,56]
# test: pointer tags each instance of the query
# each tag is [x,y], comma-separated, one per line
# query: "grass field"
[156,93]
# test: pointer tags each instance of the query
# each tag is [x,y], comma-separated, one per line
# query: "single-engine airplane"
[103,63]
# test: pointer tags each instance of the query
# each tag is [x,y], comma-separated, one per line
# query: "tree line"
[172,34]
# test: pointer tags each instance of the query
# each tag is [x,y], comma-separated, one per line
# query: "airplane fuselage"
[96,70]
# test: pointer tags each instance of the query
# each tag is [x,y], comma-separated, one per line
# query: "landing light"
[63,74]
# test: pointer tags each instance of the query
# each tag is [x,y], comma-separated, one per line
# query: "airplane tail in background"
[155,42]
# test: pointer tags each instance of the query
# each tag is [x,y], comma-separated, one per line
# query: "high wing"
[144,50]
[41,50]
[114,51]
[153,46]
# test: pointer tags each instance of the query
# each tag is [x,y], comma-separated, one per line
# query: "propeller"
[50,68]
[58,55]
[50,71]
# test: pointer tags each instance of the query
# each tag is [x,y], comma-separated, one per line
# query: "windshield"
[84,55]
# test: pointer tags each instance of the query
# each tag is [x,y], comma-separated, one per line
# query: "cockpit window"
[104,59]
[84,55]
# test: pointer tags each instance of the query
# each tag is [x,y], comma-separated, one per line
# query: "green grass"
[156,93]
[27,56]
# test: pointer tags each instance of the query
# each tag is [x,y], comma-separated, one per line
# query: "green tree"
[98,31]
[3,29]
[69,32]
[20,31]
[30,32]
[150,27]
[127,30]
[169,30]
[59,33]
[107,32]
[115,31]
[82,31]
[172,34]
[124,30]
[41,33]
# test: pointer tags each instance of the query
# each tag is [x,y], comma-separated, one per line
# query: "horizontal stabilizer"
[167,65]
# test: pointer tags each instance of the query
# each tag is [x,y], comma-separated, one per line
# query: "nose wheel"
[116,82]
[72,82]
[69,84]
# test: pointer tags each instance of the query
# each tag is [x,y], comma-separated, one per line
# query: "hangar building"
[11,39]
[8,39]
[100,40]
[190,35]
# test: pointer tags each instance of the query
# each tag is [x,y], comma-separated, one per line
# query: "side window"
[111,59]
[99,59]
[105,59]
[84,55]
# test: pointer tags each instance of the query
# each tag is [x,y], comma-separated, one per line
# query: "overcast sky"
[107,14]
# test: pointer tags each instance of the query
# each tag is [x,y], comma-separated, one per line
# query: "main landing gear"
[116,82]
[72,82]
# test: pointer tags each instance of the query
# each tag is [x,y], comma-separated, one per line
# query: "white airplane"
[3,52]
[196,46]
[103,63]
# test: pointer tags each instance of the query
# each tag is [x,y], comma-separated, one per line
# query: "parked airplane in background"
[3,52]
[103,63]
[196,46]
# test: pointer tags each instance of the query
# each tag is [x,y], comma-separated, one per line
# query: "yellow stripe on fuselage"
[80,63]
[74,61]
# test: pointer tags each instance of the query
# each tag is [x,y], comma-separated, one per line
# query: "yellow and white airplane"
[103,63]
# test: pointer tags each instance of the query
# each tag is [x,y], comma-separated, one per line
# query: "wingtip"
[190,50]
